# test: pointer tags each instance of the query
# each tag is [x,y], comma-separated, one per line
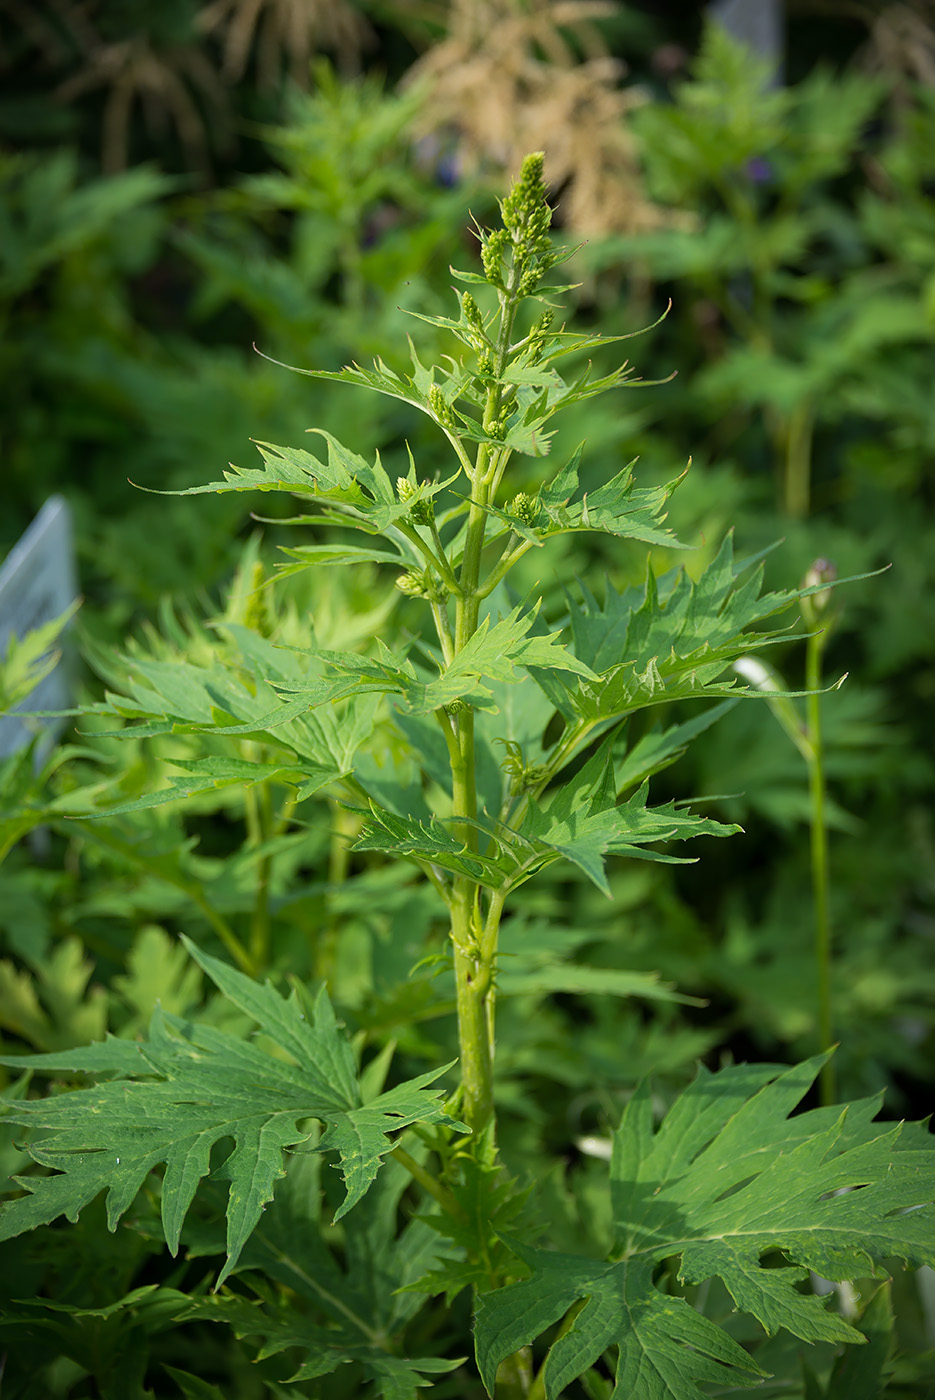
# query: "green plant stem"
[472,977]
[260,828]
[433,554]
[443,628]
[798,461]
[514,1378]
[428,1182]
[504,564]
[474,957]
[819,857]
[339,856]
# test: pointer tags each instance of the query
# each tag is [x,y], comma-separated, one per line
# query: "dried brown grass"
[518,75]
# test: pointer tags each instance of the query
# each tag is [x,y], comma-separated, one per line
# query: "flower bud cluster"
[492,251]
[526,221]
[422,583]
[441,407]
[538,334]
[524,508]
[474,321]
[526,214]
[500,426]
[421,512]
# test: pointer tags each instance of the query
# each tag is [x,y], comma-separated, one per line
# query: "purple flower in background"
[442,159]
[759,171]
[448,170]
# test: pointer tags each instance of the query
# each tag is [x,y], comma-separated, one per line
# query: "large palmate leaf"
[584,823]
[736,1189]
[674,639]
[175,1095]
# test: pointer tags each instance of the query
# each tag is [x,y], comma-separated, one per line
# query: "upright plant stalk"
[515,258]
[807,738]
[797,466]
[819,854]
[813,608]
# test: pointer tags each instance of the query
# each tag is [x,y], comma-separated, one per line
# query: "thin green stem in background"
[515,1378]
[260,830]
[807,739]
[344,829]
[819,856]
[797,474]
[154,865]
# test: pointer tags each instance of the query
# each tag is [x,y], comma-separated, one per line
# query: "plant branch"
[434,556]
[190,888]
[504,564]
[428,1182]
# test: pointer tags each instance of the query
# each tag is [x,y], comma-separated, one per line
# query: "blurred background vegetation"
[183,181]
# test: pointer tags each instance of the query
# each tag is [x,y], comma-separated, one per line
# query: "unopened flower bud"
[524,508]
[500,426]
[492,249]
[538,334]
[471,312]
[814,606]
[422,583]
[412,584]
[441,407]
[524,777]
[421,511]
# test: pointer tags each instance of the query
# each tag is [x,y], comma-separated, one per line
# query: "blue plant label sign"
[757,23]
[38,581]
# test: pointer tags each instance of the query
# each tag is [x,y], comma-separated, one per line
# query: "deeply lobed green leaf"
[585,823]
[671,640]
[185,1089]
[726,1183]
